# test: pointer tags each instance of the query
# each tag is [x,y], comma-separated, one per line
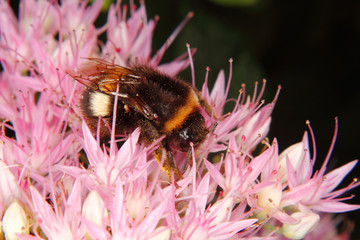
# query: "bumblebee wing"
[127,93]
[129,81]
[140,106]
[104,76]
[83,79]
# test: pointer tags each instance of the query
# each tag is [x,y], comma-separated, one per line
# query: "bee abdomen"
[97,104]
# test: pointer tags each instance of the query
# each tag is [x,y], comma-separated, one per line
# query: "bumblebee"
[147,98]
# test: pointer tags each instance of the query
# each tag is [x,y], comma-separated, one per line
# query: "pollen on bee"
[126,107]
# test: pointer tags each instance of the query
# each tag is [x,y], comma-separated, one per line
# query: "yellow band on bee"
[182,113]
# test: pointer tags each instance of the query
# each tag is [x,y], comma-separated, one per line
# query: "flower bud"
[137,204]
[307,223]
[14,221]
[94,208]
[221,210]
[254,130]
[161,233]
[297,154]
[269,199]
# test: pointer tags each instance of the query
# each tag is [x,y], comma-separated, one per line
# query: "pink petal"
[332,206]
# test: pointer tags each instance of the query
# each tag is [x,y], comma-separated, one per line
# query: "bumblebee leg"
[149,136]
[169,165]
[170,161]
[187,160]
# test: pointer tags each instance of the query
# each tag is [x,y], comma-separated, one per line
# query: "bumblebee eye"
[184,134]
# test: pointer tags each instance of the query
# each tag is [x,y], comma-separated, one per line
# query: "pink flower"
[9,188]
[58,182]
[316,191]
[214,222]
[328,228]
[239,176]
[63,221]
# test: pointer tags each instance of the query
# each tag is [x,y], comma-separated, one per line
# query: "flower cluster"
[56,182]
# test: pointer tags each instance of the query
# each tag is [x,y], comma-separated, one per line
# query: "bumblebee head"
[193,130]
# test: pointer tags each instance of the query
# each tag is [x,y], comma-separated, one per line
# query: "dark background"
[311,48]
